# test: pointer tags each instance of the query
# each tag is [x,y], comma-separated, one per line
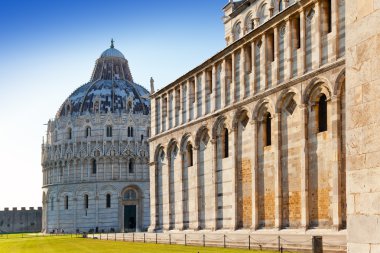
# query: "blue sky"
[48,49]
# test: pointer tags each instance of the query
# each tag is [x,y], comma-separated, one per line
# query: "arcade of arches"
[275,162]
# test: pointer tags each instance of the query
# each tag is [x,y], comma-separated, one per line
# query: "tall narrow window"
[108,201]
[280,7]
[66,202]
[190,154]
[88,131]
[326,16]
[69,133]
[142,137]
[322,114]
[270,48]
[131,165]
[297,32]
[86,201]
[93,165]
[109,131]
[268,130]
[225,143]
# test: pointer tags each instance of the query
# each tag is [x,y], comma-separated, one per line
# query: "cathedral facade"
[95,158]
[253,138]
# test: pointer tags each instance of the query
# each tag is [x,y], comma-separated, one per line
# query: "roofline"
[219,55]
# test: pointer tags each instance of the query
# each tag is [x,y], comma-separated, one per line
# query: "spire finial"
[151,85]
[112,41]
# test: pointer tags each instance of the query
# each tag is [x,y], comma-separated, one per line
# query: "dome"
[111,89]
[112,52]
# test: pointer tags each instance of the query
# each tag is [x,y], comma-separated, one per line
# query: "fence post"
[279,243]
[144,237]
[115,236]
[156,238]
[133,237]
[249,242]
[170,239]
[317,245]
[185,240]
[100,235]
[224,241]
[204,240]
[107,236]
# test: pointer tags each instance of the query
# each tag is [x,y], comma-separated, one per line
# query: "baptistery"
[95,155]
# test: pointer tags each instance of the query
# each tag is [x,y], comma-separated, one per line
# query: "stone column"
[178,105]
[304,167]
[189,99]
[252,70]
[316,36]
[196,97]
[333,43]
[276,62]
[194,214]
[263,62]
[178,186]
[153,196]
[165,193]
[233,83]
[75,201]
[278,171]
[213,84]
[302,55]
[153,117]
[253,82]
[336,163]
[242,73]
[223,84]
[232,151]
[288,50]
[205,91]
[214,193]
[255,206]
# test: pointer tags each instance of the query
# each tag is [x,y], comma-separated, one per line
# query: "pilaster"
[278,171]
[255,207]
[153,196]
[336,164]
[304,167]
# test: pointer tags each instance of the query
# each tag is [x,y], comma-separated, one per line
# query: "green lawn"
[65,244]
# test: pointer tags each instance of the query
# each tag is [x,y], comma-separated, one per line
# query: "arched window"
[263,14]
[130,195]
[66,202]
[55,135]
[108,201]
[69,133]
[322,114]
[88,132]
[225,142]
[109,131]
[129,106]
[280,6]
[142,137]
[93,166]
[85,201]
[237,31]
[268,130]
[131,166]
[190,154]
[130,131]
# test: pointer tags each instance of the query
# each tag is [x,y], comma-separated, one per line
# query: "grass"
[66,244]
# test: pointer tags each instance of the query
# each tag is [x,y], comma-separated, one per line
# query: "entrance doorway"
[130,218]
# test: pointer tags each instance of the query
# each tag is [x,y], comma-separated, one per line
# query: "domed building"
[95,158]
